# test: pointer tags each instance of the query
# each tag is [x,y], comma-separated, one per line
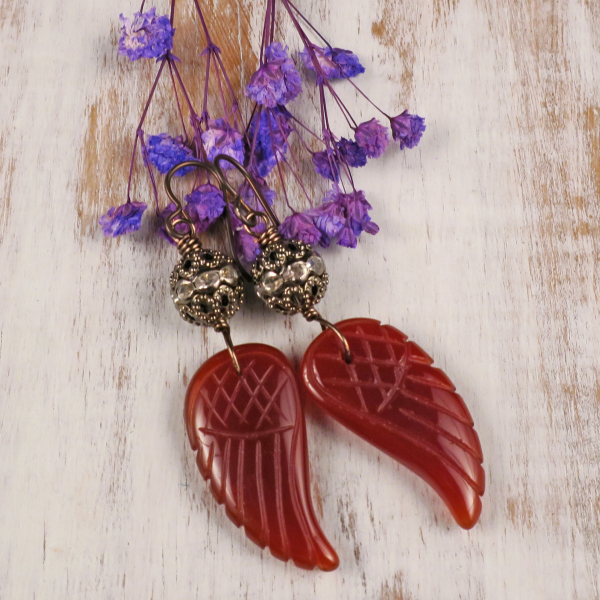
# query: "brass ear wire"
[271,241]
[193,296]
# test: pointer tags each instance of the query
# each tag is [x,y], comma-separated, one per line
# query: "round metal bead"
[206,287]
[290,276]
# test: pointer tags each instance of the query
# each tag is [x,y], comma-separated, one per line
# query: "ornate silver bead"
[206,287]
[290,276]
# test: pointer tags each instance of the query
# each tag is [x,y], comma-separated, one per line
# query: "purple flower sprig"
[344,215]
[221,138]
[164,152]
[273,144]
[148,35]
[372,137]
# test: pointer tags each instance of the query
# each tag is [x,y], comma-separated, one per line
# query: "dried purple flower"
[146,35]
[373,137]
[268,141]
[164,152]
[356,209]
[351,153]
[329,218]
[348,62]
[330,69]
[347,238]
[277,81]
[122,219]
[326,164]
[300,226]
[407,129]
[205,205]
[335,62]
[222,138]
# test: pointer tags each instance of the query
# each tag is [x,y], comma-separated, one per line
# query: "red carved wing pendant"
[391,396]
[250,438]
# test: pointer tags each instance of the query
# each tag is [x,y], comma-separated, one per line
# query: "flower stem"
[139,129]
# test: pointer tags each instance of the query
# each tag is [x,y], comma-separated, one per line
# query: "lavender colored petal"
[407,129]
[324,57]
[351,153]
[277,81]
[300,226]
[329,218]
[267,140]
[355,205]
[205,205]
[146,36]
[347,238]
[123,219]
[335,63]
[373,137]
[164,152]
[221,138]
[276,51]
[326,164]
[371,227]
[348,62]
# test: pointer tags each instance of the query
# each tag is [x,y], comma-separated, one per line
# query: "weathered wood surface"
[487,256]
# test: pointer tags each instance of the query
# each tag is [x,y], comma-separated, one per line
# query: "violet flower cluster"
[343,213]
[263,142]
[146,36]
[204,137]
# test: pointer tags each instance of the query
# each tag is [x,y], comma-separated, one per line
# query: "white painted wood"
[487,257]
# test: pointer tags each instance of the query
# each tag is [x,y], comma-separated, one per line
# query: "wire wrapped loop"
[189,245]
[270,236]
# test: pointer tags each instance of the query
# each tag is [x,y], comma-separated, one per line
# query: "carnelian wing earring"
[243,412]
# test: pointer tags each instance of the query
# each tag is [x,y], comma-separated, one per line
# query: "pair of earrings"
[243,408]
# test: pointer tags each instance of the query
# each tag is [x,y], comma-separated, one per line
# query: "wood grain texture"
[487,257]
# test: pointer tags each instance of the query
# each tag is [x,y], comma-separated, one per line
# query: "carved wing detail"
[250,438]
[392,397]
